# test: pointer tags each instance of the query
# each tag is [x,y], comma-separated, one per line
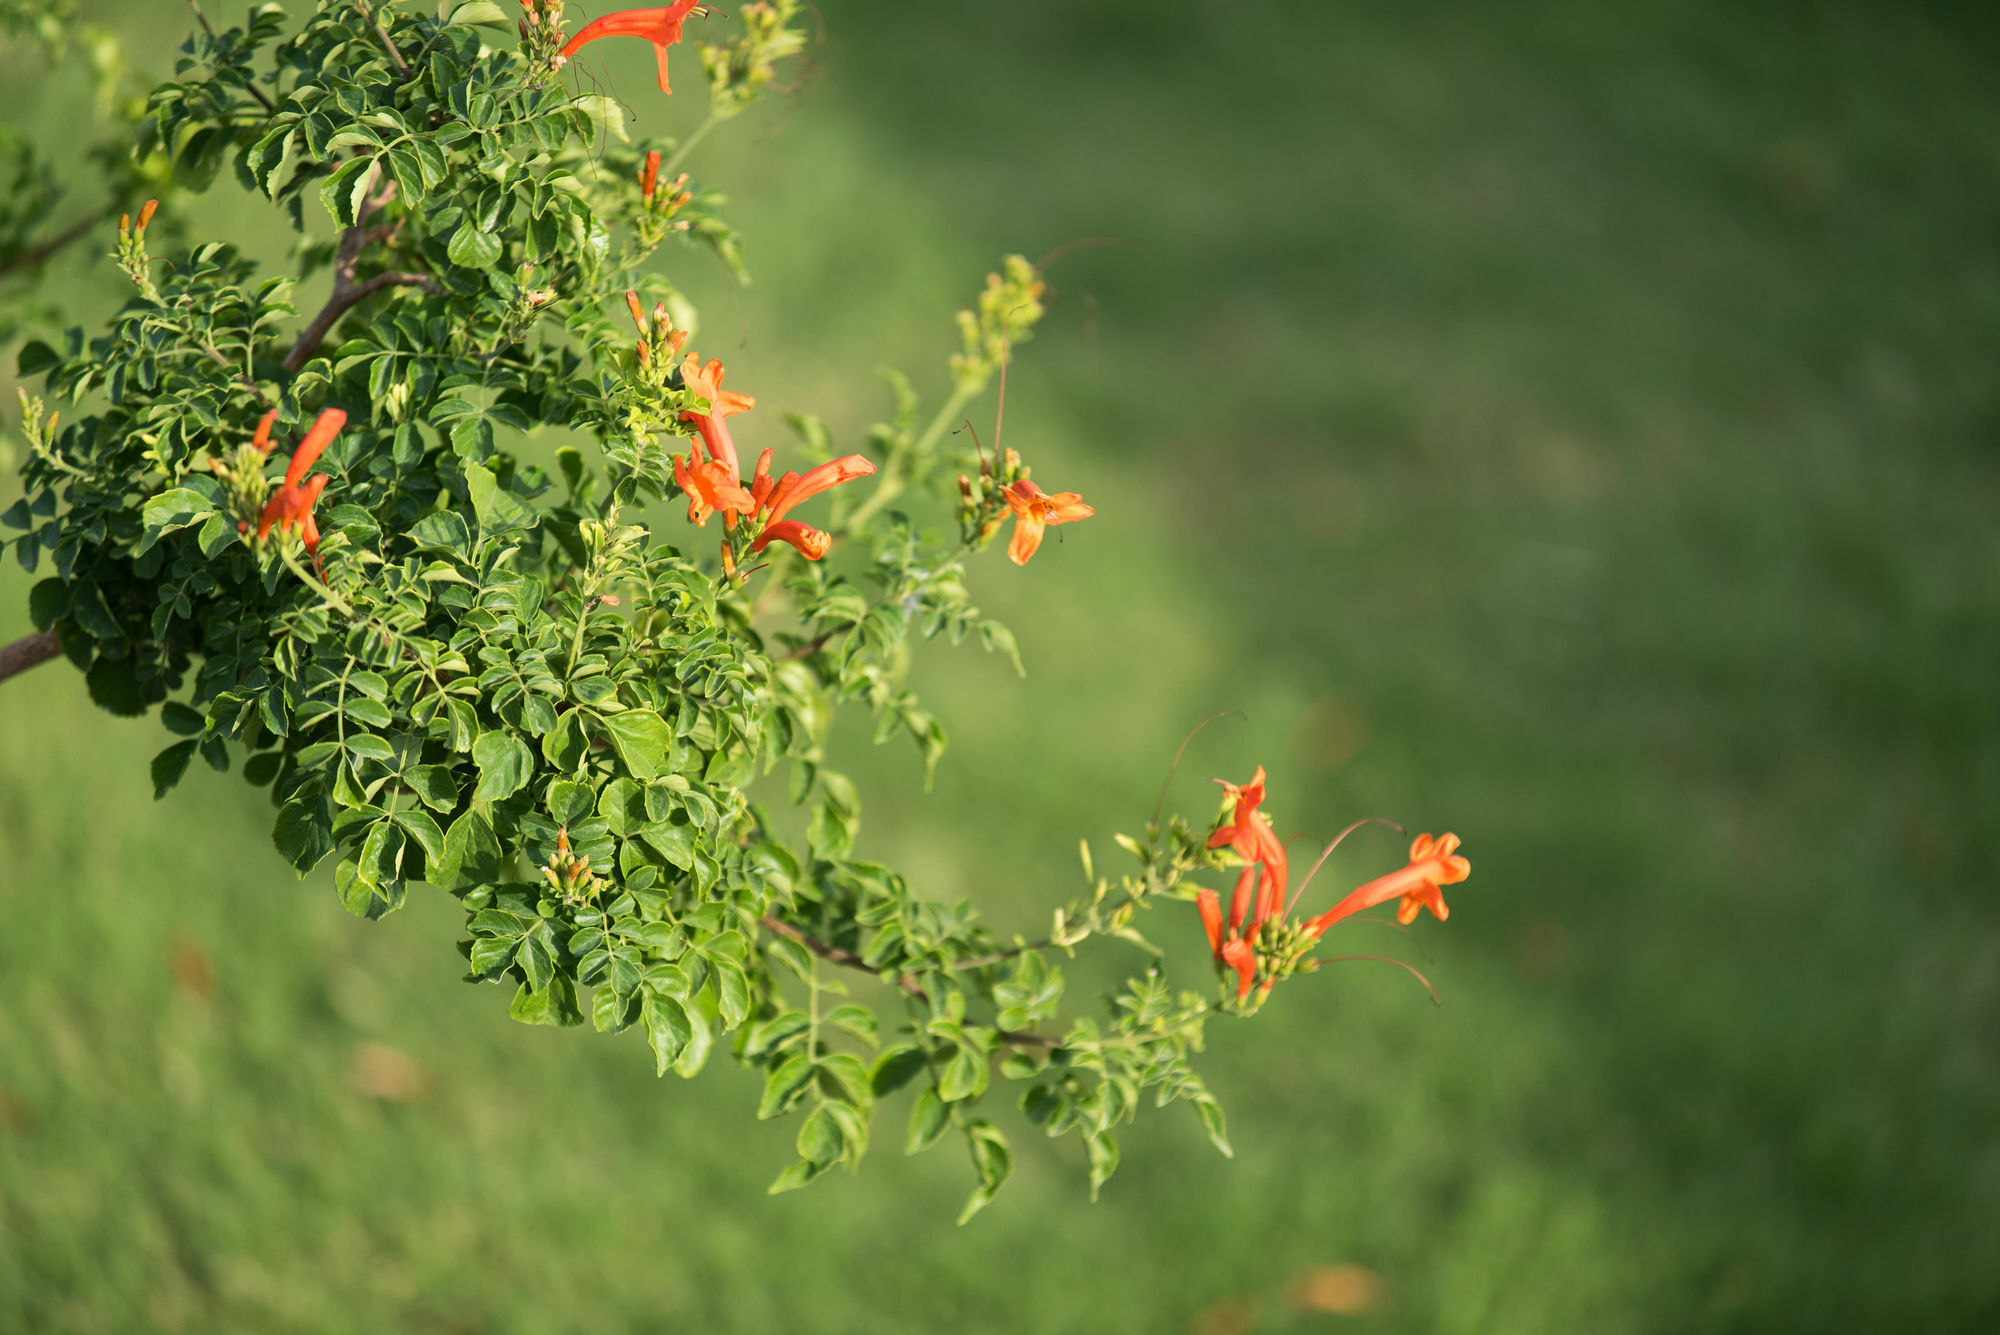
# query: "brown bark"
[27,652]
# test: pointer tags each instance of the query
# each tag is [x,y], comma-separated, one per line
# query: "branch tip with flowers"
[451,666]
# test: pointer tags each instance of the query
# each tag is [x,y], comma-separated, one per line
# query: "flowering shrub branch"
[528,685]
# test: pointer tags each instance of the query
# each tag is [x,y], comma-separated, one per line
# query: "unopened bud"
[638,311]
[965,487]
[124,225]
[660,316]
[649,175]
[562,842]
[645,352]
[146,213]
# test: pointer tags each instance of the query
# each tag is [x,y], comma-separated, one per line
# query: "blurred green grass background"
[1571,426]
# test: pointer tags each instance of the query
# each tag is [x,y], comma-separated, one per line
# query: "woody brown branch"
[347,291]
[26,652]
[28,259]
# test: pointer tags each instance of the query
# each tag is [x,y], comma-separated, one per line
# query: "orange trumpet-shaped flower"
[291,505]
[810,542]
[323,430]
[1249,833]
[793,488]
[1434,863]
[706,381]
[1034,509]
[1232,950]
[1239,956]
[661,27]
[710,486]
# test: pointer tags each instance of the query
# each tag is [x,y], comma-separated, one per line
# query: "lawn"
[1575,428]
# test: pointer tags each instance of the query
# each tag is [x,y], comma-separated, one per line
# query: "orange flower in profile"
[291,505]
[793,488]
[661,27]
[706,381]
[1249,833]
[710,486]
[1259,897]
[776,499]
[810,542]
[1231,950]
[1034,509]
[1434,864]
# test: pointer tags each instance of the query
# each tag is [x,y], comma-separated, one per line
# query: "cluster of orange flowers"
[290,507]
[711,476]
[1257,908]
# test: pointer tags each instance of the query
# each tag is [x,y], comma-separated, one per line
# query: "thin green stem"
[333,600]
[893,482]
[687,146]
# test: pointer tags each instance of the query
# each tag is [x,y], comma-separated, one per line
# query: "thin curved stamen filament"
[1175,767]
[1365,820]
[1390,959]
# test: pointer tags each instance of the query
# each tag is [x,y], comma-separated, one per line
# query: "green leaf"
[895,1068]
[965,1076]
[566,744]
[181,719]
[844,1079]
[88,609]
[556,1006]
[168,512]
[993,1160]
[641,737]
[668,1029]
[610,117]
[343,192]
[304,833]
[820,1141]
[796,1176]
[471,853]
[695,1055]
[787,1080]
[856,1020]
[34,358]
[473,247]
[928,1118]
[1213,1123]
[1102,1150]
[612,1013]
[732,991]
[498,510]
[434,786]
[479,11]
[48,603]
[419,825]
[504,761]
[169,765]
[676,843]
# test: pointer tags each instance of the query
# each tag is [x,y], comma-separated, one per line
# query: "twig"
[847,959]
[402,66]
[270,108]
[1002,956]
[28,259]
[346,291]
[26,652]
[818,642]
